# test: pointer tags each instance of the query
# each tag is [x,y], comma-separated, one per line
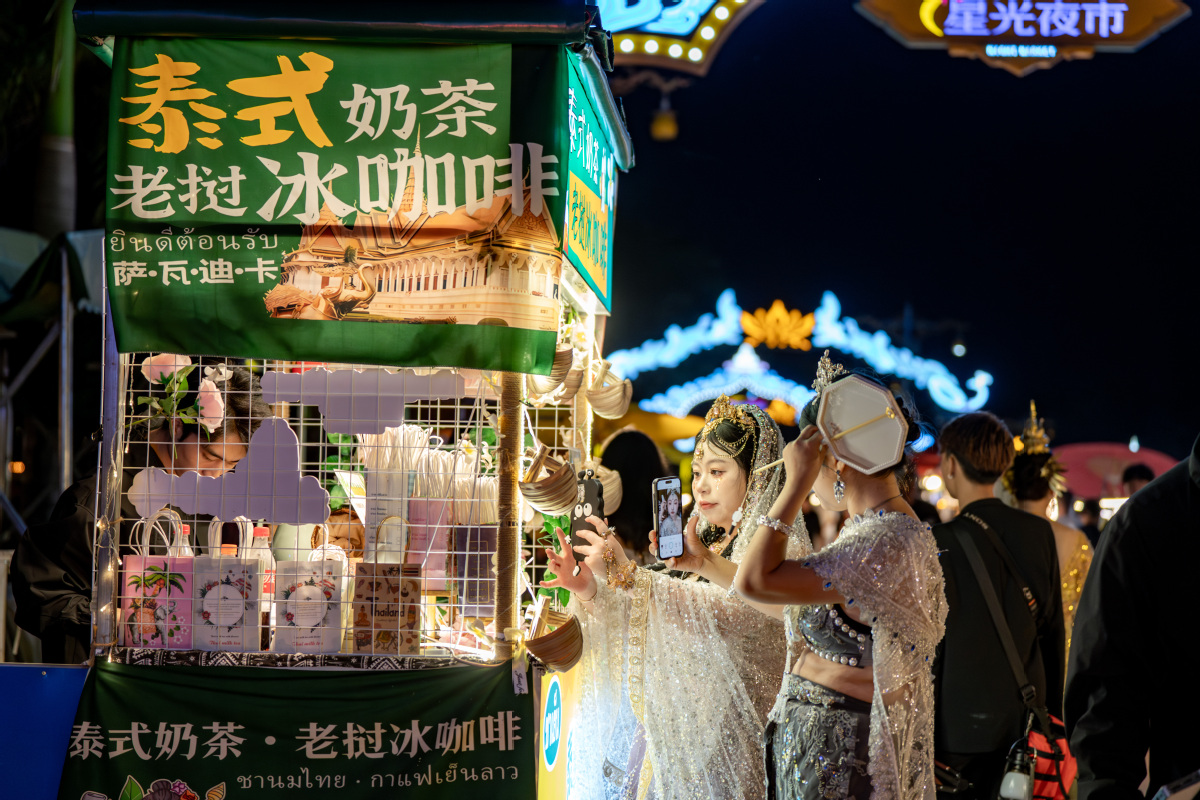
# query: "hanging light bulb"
[664,127]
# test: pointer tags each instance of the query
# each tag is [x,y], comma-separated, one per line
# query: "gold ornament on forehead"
[722,410]
[827,371]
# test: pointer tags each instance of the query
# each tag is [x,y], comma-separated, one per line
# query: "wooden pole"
[508,539]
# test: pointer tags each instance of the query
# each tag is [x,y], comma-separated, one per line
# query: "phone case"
[589,502]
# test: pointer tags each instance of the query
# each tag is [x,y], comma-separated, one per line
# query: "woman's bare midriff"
[856,682]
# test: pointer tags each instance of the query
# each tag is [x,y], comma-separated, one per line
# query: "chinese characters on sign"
[1026,18]
[220,740]
[139,725]
[591,190]
[391,182]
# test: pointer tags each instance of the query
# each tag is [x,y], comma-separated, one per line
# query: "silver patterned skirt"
[815,744]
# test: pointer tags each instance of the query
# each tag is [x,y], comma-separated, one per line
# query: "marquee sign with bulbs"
[684,35]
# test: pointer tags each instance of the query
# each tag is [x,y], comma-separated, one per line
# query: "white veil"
[678,675]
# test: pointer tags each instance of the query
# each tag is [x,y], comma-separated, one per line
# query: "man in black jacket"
[979,711]
[1132,684]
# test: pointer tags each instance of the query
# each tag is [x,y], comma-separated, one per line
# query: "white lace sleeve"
[887,567]
[707,664]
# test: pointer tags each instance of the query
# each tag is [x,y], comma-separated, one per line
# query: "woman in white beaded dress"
[639,730]
[854,717]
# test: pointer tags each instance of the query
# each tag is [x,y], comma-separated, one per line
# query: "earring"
[737,517]
[839,487]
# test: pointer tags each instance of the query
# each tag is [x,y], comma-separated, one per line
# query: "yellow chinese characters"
[293,87]
[170,86]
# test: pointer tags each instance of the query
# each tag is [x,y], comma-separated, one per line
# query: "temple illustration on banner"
[488,267]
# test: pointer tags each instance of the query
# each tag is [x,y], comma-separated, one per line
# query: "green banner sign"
[337,201]
[207,733]
[591,190]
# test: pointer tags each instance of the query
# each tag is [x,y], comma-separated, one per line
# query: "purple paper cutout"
[266,484]
[360,401]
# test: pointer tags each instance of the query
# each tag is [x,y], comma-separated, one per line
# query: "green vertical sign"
[591,189]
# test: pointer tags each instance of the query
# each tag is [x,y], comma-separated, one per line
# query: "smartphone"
[589,502]
[667,496]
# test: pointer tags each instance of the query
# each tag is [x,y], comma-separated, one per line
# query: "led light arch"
[747,372]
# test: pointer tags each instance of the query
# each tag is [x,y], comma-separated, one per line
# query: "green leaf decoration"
[550,523]
[132,790]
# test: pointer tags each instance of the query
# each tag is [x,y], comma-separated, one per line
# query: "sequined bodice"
[829,633]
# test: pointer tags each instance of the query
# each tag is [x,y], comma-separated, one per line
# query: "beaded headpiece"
[1035,441]
[827,371]
[724,411]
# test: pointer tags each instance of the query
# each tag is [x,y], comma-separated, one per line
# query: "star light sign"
[1025,35]
[747,372]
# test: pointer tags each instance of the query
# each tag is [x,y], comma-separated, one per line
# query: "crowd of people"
[913,656]
[787,654]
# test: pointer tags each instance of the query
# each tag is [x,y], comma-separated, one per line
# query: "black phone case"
[589,502]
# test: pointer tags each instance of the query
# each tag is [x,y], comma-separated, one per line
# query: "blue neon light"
[923,442]
[745,372]
[685,445]
[878,351]
[681,19]
[620,15]
[748,372]
[677,19]
[679,343]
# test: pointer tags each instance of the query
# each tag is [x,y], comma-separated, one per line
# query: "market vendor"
[191,418]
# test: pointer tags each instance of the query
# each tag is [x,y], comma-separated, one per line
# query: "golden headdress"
[827,371]
[724,411]
[1035,441]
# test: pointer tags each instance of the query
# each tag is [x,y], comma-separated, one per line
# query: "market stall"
[403,231]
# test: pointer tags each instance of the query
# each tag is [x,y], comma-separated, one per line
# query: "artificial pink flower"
[211,406]
[161,367]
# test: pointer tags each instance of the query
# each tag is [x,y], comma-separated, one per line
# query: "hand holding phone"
[668,516]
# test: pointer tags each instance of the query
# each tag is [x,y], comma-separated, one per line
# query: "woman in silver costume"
[854,717]
[640,730]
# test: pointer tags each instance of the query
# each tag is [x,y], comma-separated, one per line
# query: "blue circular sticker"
[552,724]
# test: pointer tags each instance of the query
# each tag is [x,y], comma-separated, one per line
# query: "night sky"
[1053,214]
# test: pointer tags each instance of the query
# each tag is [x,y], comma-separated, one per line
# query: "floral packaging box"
[385,610]
[308,603]
[225,605]
[156,602]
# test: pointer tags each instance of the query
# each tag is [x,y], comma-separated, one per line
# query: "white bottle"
[260,548]
[183,546]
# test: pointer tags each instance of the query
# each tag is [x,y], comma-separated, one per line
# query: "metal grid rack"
[404,566]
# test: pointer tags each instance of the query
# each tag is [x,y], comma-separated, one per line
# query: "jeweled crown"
[1034,439]
[827,371]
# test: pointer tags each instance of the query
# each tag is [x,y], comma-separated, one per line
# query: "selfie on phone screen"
[668,517]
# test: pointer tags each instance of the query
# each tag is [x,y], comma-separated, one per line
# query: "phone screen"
[668,517]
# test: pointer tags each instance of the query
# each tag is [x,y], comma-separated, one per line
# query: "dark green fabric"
[259,729]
